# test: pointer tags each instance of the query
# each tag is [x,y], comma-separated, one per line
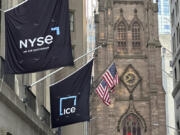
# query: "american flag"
[111,76]
[102,91]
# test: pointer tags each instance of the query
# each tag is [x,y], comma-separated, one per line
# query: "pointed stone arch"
[136,27]
[120,20]
[121,35]
[132,112]
[136,20]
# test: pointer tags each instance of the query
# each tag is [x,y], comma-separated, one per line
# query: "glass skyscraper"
[164,17]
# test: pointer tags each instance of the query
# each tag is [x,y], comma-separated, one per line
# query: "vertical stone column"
[40,94]
[157,95]
[154,114]
[47,92]
[4,5]
[19,86]
[153,89]
[155,18]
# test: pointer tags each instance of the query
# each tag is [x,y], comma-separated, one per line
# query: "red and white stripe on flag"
[109,79]
[100,91]
[111,76]
[106,100]
[116,80]
[104,94]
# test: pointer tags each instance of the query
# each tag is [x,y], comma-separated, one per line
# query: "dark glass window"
[172,17]
[174,44]
[122,35]
[177,33]
[175,74]
[136,39]
[131,125]
[178,127]
[177,7]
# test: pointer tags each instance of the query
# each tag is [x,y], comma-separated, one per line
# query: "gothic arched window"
[122,35]
[131,125]
[136,35]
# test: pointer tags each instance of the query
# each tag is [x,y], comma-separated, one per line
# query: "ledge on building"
[136,56]
[12,101]
[176,56]
[176,89]
[154,44]
[8,97]
[129,1]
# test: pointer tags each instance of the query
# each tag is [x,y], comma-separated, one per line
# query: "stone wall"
[146,98]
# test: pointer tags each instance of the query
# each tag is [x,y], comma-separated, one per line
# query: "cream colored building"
[167,76]
[27,112]
[175,31]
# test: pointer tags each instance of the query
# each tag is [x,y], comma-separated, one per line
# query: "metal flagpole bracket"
[47,76]
[2,10]
[27,87]
[25,98]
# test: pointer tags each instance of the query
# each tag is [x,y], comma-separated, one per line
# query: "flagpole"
[72,73]
[47,76]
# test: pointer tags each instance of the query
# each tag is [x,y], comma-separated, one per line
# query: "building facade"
[18,116]
[166,54]
[175,35]
[26,110]
[167,76]
[128,32]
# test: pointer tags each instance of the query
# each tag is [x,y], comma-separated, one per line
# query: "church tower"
[128,32]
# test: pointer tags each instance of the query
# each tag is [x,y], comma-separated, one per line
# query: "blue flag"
[70,98]
[38,36]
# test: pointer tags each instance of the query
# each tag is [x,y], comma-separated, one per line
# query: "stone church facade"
[128,32]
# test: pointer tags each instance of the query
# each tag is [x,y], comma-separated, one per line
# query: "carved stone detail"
[130,78]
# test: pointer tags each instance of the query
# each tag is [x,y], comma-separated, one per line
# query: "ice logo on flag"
[39,41]
[67,105]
